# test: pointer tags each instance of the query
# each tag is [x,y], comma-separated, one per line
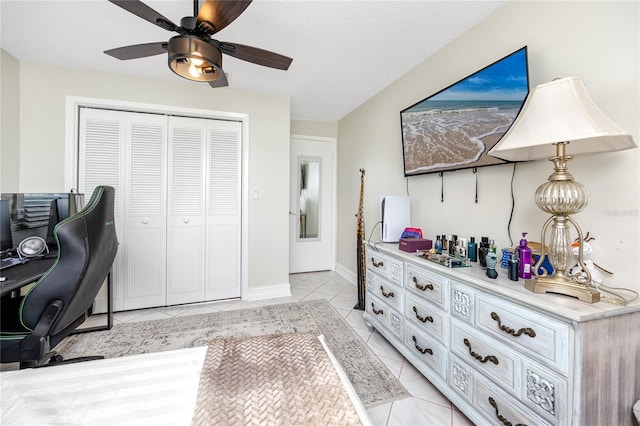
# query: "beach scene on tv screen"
[456,127]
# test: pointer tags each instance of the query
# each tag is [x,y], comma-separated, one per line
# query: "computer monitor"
[58,212]
[6,242]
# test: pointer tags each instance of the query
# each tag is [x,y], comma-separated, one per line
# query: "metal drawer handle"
[422,287]
[378,264]
[422,351]
[491,358]
[500,417]
[423,319]
[379,312]
[528,331]
[386,294]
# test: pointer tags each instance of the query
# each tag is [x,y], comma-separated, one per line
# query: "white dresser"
[502,354]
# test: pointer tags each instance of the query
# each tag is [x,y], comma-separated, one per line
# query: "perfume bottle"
[453,244]
[461,251]
[438,244]
[472,249]
[514,267]
[483,251]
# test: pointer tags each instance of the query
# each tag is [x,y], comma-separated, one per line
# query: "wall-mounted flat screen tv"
[456,127]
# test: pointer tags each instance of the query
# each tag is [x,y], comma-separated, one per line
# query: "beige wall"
[10,123]
[598,41]
[42,144]
[325,129]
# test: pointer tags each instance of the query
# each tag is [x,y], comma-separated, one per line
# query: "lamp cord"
[616,297]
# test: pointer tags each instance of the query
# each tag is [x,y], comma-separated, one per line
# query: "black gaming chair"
[61,300]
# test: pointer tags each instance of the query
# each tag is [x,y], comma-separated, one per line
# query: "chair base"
[53,358]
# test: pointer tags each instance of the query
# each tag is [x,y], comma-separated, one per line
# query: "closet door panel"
[223,210]
[186,234]
[145,219]
[223,269]
[101,162]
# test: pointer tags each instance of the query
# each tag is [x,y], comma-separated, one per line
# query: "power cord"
[513,205]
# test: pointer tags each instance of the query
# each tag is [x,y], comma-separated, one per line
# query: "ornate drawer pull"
[422,287]
[379,312]
[422,351]
[491,358]
[423,319]
[528,331]
[500,417]
[386,294]
[376,264]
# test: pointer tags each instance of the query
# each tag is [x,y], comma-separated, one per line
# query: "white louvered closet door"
[101,162]
[178,203]
[128,151]
[144,273]
[223,219]
[186,215]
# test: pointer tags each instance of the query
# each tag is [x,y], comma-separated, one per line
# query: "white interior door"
[311,206]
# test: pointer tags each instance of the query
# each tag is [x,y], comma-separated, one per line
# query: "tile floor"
[427,407]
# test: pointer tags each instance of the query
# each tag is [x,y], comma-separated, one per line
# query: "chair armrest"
[36,345]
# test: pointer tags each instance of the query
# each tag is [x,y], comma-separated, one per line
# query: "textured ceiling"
[343,51]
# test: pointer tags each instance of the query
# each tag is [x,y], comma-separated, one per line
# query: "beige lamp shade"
[560,111]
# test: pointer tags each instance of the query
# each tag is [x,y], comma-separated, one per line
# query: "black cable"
[513,205]
[475,172]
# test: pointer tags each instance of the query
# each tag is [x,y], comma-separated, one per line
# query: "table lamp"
[557,117]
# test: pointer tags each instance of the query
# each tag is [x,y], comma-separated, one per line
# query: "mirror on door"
[309,197]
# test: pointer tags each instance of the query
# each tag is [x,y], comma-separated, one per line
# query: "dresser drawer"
[432,287]
[390,293]
[386,316]
[501,408]
[426,317]
[486,355]
[426,349]
[528,331]
[385,266]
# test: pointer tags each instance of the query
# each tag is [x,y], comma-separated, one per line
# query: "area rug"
[372,380]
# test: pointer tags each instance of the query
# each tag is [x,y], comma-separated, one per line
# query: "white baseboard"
[268,292]
[351,276]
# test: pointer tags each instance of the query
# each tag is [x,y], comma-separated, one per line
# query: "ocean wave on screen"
[433,140]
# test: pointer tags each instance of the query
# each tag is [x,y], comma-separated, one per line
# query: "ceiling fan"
[193,54]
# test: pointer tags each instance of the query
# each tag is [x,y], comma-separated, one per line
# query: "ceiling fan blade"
[255,55]
[138,50]
[145,12]
[221,13]
[220,82]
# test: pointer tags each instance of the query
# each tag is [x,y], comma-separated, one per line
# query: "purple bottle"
[524,254]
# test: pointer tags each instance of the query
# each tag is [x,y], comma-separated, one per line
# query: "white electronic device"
[395,216]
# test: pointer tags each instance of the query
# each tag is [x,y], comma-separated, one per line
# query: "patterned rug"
[371,379]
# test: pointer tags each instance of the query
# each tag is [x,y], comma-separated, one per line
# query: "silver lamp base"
[569,288]
[562,196]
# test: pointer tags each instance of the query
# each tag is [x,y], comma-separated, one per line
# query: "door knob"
[145,220]
[185,220]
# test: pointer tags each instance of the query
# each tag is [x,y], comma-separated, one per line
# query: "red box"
[410,245]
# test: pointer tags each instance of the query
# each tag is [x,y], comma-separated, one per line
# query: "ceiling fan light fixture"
[194,59]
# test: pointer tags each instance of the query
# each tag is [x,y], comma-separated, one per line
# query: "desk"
[19,276]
